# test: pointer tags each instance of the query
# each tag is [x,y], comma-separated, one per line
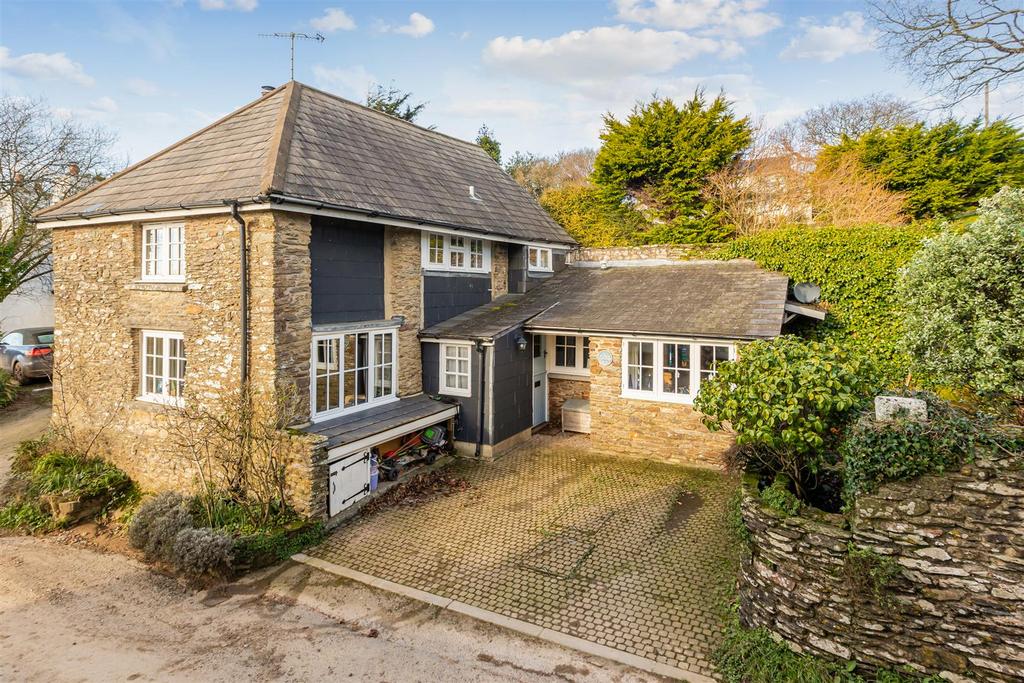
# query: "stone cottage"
[395,276]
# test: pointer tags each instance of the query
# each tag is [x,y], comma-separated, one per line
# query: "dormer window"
[163,252]
[456,253]
[540,259]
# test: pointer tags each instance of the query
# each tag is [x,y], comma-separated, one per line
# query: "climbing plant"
[857,270]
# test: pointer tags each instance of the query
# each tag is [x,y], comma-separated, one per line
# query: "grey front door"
[540,382]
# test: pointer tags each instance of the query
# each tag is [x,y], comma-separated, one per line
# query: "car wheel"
[18,374]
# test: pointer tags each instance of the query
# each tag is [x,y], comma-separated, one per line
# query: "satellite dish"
[807,292]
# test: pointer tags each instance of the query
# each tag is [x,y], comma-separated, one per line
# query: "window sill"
[540,271]
[575,376]
[457,393]
[342,412]
[454,271]
[157,286]
[158,402]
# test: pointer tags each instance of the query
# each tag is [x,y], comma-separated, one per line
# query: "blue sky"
[540,74]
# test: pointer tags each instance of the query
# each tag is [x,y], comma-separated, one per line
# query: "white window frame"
[455,248]
[658,392]
[579,367]
[373,377]
[163,263]
[444,374]
[164,375]
[542,262]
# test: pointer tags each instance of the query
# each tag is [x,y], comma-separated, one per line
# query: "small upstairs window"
[540,259]
[163,252]
[455,253]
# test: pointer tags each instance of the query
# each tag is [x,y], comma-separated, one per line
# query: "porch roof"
[384,422]
[705,299]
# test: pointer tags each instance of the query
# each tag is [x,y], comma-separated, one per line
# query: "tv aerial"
[292,35]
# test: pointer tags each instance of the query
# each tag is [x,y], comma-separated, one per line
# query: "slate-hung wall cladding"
[445,295]
[348,271]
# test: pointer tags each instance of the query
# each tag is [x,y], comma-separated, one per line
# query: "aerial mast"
[292,35]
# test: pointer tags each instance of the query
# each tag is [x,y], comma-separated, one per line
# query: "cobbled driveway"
[630,554]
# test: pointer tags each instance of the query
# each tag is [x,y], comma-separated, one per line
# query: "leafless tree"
[538,174]
[827,124]
[960,47]
[43,158]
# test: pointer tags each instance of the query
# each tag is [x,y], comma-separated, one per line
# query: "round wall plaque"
[605,358]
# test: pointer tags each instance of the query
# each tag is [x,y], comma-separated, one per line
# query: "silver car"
[27,354]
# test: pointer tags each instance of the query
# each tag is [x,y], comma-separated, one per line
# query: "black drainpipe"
[244,273]
[482,350]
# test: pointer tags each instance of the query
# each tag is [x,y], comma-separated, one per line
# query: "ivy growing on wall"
[857,270]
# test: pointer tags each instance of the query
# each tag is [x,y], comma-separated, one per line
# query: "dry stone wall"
[561,390]
[680,252]
[957,606]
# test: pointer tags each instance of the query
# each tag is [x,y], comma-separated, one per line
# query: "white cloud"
[42,66]
[846,34]
[100,109]
[604,53]
[140,87]
[740,18]
[418,26]
[240,5]
[334,19]
[496,107]
[351,82]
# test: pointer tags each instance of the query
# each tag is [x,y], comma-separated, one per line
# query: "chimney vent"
[266,90]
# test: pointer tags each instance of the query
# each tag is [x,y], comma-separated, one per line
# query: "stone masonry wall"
[404,288]
[561,390]
[626,426]
[499,269]
[101,307]
[958,606]
[680,252]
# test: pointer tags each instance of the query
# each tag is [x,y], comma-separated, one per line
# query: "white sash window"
[352,370]
[670,369]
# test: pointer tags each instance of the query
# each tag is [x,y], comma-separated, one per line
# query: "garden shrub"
[857,270]
[874,452]
[870,575]
[25,515]
[27,453]
[786,399]
[8,389]
[964,300]
[68,474]
[156,524]
[202,552]
[266,548]
[779,498]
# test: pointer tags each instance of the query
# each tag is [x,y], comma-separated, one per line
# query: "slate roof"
[301,143]
[704,299]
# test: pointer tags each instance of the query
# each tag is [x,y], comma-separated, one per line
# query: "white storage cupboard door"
[349,481]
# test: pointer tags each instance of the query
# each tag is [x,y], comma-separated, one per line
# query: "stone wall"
[958,604]
[499,269]
[561,390]
[403,289]
[101,308]
[627,426]
[681,252]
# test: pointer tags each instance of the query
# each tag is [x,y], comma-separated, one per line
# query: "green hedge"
[856,269]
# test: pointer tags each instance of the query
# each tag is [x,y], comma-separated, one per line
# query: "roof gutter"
[640,333]
[404,221]
[206,207]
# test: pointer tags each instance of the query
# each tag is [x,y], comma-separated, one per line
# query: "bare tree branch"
[957,47]
[43,158]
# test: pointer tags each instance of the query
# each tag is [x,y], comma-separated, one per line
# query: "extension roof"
[700,299]
[300,143]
